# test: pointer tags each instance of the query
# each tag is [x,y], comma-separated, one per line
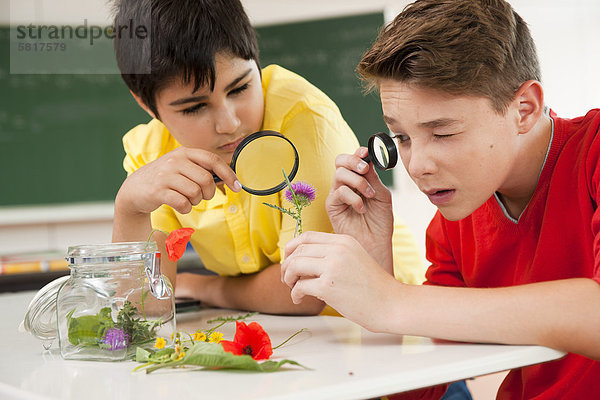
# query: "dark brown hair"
[185,36]
[461,47]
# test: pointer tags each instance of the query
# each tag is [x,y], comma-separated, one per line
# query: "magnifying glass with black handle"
[383,152]
[259,160]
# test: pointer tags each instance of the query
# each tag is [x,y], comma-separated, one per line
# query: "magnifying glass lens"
[382,151]
[260,166]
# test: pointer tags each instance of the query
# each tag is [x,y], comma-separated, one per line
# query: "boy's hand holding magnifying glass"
[359,204]
[181,179]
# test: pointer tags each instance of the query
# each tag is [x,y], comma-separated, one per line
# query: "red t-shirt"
[556,237]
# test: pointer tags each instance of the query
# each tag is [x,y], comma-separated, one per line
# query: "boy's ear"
[530,103]
[142,104]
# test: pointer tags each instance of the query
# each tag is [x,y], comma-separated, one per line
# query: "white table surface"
[347,361]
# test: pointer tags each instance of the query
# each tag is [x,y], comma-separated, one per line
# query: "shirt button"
[233,208]
[245,258]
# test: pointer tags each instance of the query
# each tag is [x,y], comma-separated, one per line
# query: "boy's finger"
[301,267]
[194,182]
[307,238]
[344,196]
[353,162]
[216,165]
[307,287]
[344,177]
[177,201]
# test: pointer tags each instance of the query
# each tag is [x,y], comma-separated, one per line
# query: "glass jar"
[114,301]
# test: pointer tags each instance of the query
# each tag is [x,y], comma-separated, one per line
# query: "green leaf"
[139,331]
[271,366]
[162,356]
[88,330]
[141,355]
[151,358]
[283,210]
[212,355]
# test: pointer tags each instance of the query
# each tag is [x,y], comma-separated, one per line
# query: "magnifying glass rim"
[390,147]
[250,138]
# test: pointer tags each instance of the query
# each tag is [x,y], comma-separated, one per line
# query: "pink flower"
[305,193]
[116,339]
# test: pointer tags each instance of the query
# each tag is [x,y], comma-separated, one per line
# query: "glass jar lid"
[109,253]
[40,316]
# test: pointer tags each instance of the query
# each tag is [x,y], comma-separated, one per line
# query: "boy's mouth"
[440,196]
[231,146]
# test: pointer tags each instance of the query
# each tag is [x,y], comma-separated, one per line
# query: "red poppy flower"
[177,241]
[249,339]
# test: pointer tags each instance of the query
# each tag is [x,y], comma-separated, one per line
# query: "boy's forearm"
[383,255]
[263,292]
[128,227]
[559,314]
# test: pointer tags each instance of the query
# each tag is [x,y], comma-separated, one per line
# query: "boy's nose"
[226,120]
[420,163]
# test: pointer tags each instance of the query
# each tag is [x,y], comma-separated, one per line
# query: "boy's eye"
[239,89]
[402,138]
[193,109]
[197,107]
[442,136]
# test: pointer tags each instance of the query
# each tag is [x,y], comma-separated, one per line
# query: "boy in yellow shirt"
[206,92]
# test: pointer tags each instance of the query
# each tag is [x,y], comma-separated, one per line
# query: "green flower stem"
[290,338]
[214,328]
[297,203]
[149,363]
[299,208]
[224,320]
[145,293]
[150,236]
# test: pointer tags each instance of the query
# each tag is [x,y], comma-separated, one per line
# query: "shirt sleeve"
[145,143]
[593,170]
[443,270]
[133,158]
[165,219]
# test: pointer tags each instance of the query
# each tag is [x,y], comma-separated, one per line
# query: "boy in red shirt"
[515,244]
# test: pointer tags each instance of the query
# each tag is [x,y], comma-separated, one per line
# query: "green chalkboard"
[60,135]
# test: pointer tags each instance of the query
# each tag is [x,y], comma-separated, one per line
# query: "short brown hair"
[461,47]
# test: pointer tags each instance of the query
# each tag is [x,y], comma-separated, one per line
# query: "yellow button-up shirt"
[235,233]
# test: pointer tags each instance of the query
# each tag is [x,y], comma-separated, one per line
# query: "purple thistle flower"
[116,338]
[305,192]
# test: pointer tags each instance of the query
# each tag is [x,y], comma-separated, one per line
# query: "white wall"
[566,32]
[261,12]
